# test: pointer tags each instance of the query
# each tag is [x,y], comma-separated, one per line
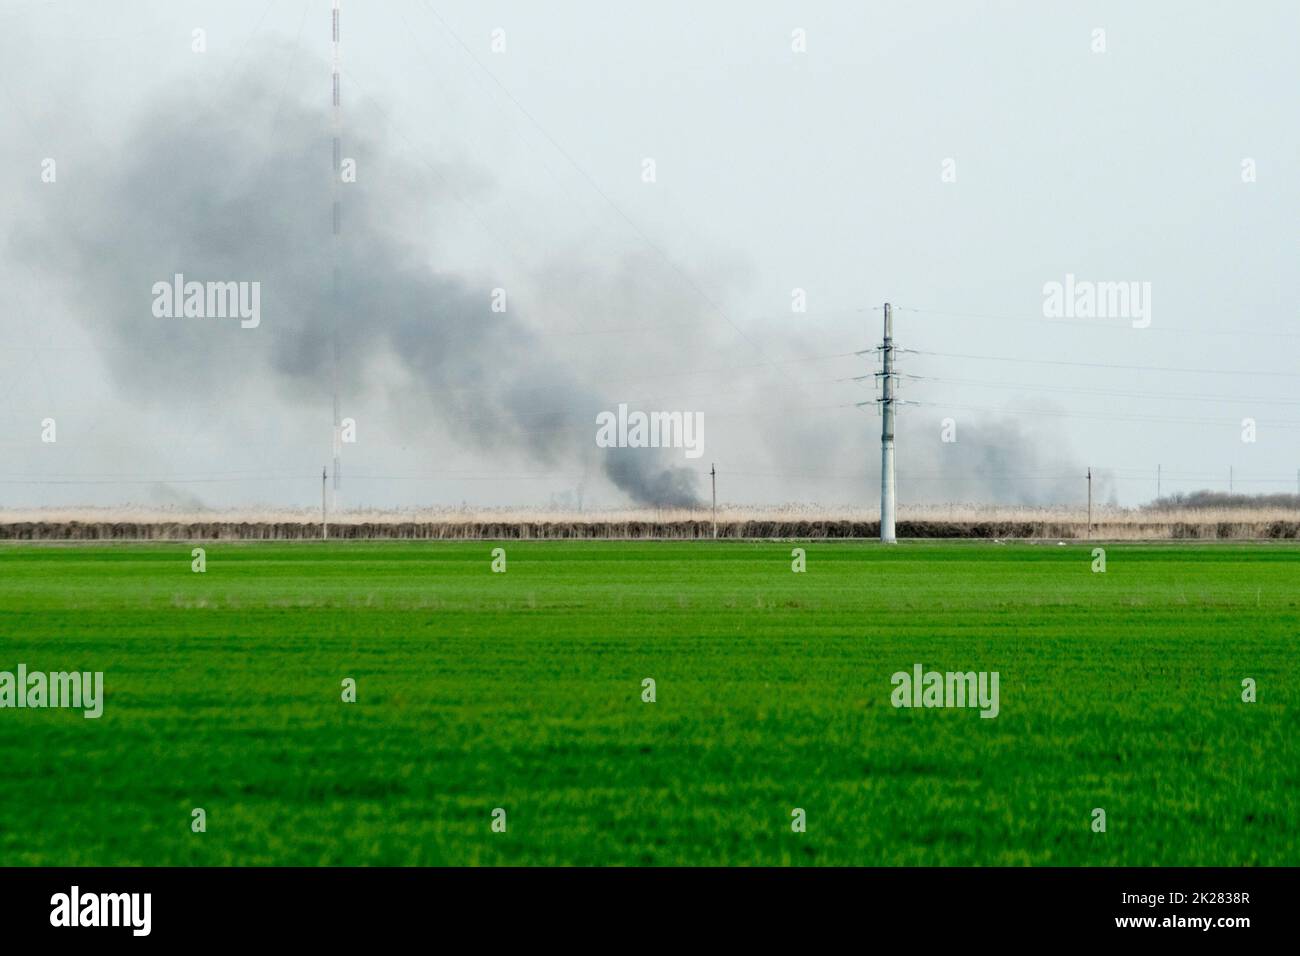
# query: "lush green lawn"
[523,690]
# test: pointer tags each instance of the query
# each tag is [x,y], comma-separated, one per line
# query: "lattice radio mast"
[336,212]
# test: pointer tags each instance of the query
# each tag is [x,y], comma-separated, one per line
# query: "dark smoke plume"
[239,190]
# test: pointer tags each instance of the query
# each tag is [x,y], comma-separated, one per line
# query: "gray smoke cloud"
[993,460]
[238,190]
[996,462]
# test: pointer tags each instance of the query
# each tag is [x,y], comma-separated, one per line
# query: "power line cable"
[1132,368]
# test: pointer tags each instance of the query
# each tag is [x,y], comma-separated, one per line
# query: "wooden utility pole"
[713,474]
[1157,482]
[324,515]
[1089,501]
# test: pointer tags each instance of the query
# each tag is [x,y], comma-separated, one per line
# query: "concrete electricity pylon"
[887,432]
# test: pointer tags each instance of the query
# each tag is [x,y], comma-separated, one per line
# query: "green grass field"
[522,690]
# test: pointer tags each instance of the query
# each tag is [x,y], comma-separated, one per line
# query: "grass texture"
[523,691]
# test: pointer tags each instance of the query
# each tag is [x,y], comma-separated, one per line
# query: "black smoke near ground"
[239,190]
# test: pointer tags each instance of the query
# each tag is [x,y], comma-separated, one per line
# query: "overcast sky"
[950,158]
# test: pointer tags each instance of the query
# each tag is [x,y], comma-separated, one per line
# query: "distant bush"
[1204,500]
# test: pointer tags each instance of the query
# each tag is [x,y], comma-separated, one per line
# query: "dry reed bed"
[726,513]
[759,524]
